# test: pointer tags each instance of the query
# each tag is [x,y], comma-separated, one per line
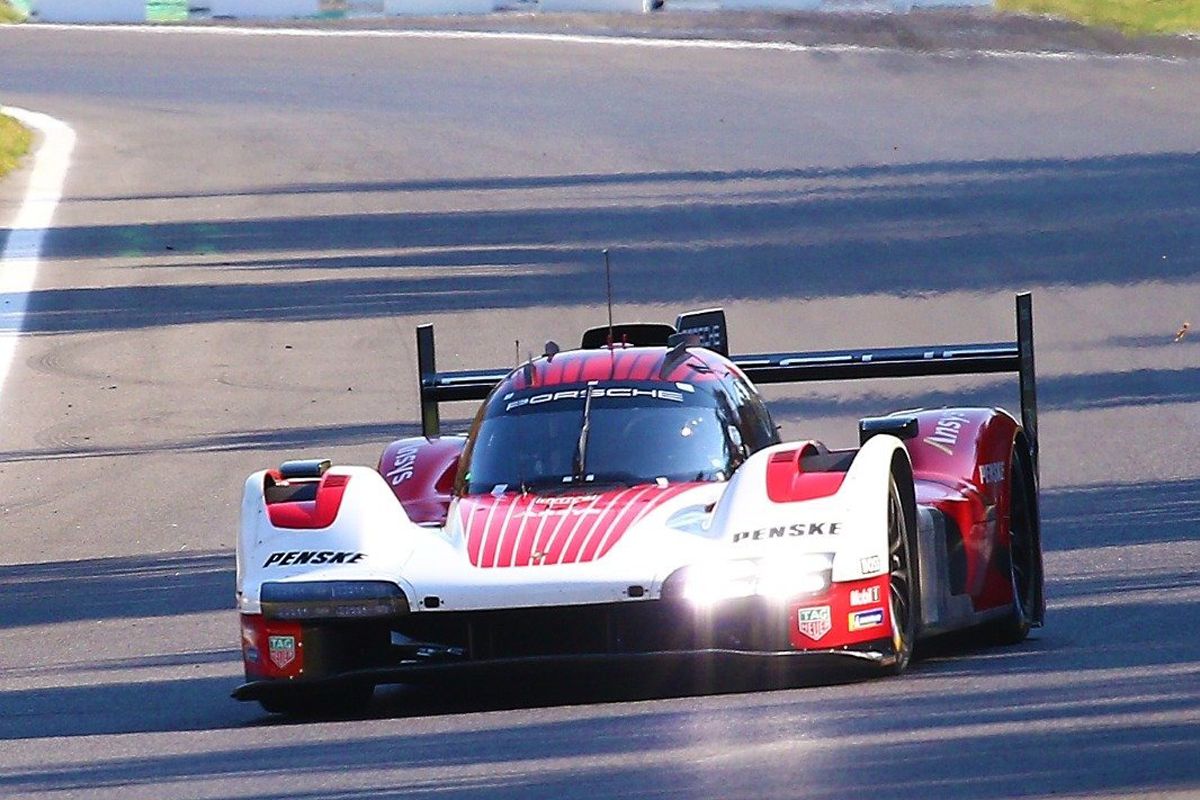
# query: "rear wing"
[763,368]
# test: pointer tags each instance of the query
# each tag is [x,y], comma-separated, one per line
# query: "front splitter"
[732,662]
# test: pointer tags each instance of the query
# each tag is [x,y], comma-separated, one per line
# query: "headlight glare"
[777,578]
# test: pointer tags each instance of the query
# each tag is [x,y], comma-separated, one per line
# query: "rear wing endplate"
[829,365]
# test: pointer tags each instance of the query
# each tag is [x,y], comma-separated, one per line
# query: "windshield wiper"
[581,446]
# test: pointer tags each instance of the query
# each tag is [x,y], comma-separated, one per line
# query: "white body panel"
[370,522]
[433,562]
[859,509]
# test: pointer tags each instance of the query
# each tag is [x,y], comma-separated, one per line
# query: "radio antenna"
[519,433]
[608,286]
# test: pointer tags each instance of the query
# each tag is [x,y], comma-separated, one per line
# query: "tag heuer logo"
[814,622]
[282,649]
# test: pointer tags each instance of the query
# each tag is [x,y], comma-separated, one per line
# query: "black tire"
[341,701]
[1023,556]
[902,582]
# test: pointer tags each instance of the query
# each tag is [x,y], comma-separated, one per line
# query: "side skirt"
[942,612]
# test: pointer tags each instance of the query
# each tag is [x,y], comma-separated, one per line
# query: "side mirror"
[902,427]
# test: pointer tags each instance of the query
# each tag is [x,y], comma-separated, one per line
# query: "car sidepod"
[976,484]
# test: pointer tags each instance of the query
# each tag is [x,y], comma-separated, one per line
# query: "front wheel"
[902,582]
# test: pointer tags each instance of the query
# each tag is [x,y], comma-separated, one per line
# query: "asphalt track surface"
[252,227]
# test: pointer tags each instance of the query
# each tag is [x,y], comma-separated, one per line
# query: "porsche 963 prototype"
[632,499]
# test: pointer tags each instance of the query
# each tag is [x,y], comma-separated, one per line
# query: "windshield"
[638,433]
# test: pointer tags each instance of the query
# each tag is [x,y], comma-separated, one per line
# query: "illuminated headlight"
[332,600]
[774,578]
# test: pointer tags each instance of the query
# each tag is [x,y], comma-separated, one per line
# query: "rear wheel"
[323,702]
[901,581]
[1024,558]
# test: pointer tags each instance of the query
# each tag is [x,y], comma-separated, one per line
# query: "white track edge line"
[23,247]
[573,38]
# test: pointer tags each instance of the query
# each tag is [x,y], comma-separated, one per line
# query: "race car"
[632,499]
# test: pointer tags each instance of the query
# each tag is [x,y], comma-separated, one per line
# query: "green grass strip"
[1131,17]
[166,10]
[12,12]
[14,143]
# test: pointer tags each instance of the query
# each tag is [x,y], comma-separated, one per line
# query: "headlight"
[775,578]
[331,599]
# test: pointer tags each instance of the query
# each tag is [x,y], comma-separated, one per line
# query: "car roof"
[654,364]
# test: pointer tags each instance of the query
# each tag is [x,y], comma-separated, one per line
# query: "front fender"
[850,522]
[369,539]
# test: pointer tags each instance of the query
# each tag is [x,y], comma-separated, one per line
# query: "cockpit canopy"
[535,435]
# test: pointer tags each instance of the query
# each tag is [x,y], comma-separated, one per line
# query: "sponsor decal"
[787,531]
[668,395]
[864,597]
[252,654]
[870,565]
[282,650]
[402,465]
[297,557]
[568,500]
[945,433]
[814,622]
[546,512]
[991,473]
[573,504]
[860,620]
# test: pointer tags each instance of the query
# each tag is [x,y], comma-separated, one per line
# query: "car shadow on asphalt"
[119,587]
[970,225]
[1123,693]
[1073,717]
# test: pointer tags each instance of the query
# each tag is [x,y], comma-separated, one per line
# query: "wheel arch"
[902,474]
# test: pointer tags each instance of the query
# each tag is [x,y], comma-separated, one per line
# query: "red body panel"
[523,530]
[872,613]
[281,659]
[421,473]
[961,465]
[696,365]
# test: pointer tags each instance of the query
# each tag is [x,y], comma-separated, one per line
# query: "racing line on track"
[23,249]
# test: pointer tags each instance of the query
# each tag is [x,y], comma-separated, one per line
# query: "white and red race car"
[631,499]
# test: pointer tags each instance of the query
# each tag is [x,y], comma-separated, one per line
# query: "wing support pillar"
[1028,376]
[427,370]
